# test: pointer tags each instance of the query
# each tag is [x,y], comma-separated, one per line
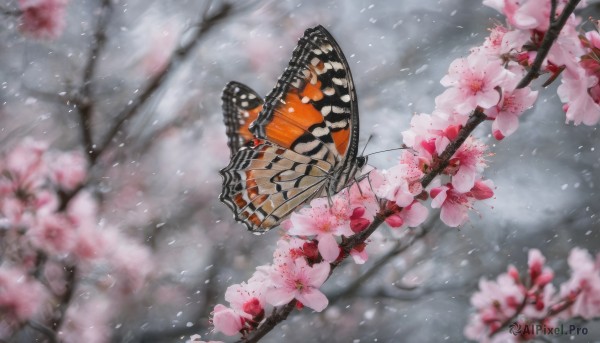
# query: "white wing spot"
[251,96]
[291,109]
[329,91]
[320,131]
[326,110]
[337,109]
[243,96]
[337,65]
[244,103]
[340,82]
[305,100]
[345,98]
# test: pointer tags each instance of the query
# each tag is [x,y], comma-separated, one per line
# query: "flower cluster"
[574,57]
[486,84]
[49,233]
[532,299]
[43,19]
[315,235]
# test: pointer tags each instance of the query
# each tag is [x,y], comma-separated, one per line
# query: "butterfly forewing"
[241,106]
[312,109]
[305,136]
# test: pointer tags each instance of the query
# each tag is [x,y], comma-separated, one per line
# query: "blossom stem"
[46,331]
[550,36]
[513,318]
[475,119]
[275,318]
[84,102]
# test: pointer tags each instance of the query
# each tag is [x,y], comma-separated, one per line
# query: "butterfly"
[299,143]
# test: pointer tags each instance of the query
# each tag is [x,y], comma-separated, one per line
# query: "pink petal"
[279,296]
[328,247]
[318,274]
[464,179]
[314,299]
[453,215]
[440,196]
[226,320]
[415,215]
[360,257]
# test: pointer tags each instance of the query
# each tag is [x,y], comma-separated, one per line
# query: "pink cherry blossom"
[288,250]
[467,164]
[325,223]
[301,282]
[400,183]
[456,205]
[524,14]
[88,321]
[512,104]
[493,43]
[573,91]
[361,195]
[430,134]
[583,286]
[69,170]
[21,298]
[247,298]
[131,262]
[226,320]
[54,234]
[43,19]
[472,81]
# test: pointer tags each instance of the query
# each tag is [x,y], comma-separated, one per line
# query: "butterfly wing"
[308,129]
[241,106]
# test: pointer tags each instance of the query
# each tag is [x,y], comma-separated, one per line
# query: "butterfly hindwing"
[241,106]
[304,139]
[266,182]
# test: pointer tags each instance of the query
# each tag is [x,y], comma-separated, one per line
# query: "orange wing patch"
[340,139]
[292,119]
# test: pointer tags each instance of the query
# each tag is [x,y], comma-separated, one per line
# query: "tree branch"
[476,118]
[206,24]
[83,100]
[65,299]
[46,331]
[549,37]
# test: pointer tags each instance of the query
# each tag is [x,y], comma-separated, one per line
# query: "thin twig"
[475,119]
[11,12]
[84,101]
[43,329]
[207,23]
[65,300]
[549,38]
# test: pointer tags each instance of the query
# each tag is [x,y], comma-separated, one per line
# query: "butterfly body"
[300,143]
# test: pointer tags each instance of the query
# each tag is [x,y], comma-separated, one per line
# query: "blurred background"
[158,180]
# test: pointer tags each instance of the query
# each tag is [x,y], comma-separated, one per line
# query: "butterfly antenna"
[377,152]
[365,147]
